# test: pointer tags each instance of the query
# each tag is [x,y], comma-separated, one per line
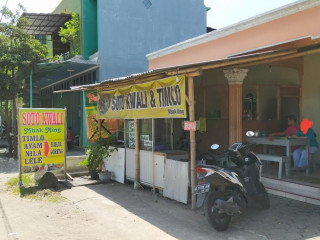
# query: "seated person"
[70,138]
[292,128]
[300,155]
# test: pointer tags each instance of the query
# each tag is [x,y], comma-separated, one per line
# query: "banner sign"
[108,126]
[163,98]
[42,139]
[190,126]
[185,125]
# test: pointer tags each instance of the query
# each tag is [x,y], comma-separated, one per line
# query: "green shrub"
[97,152]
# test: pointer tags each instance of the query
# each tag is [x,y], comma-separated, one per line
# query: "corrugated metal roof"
[47,74]
[45,23]
[127,77]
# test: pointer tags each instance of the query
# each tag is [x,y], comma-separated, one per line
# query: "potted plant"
[95,155]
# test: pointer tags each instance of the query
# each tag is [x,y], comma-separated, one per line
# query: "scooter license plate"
[202,188]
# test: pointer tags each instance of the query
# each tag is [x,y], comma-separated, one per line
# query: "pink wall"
[294,26]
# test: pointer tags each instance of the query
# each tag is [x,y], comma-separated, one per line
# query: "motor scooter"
[230,190]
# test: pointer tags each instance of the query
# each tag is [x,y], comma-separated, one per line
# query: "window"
[249,103]
[145,134]
[163,134]
[94,77]
[130,138]
[147,3]
[41,38]
[89,77]
[120,130]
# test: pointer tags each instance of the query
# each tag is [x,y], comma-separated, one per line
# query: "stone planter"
[105,177]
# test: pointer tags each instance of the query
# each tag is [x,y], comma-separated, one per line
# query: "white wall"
[266,74]
[116,164]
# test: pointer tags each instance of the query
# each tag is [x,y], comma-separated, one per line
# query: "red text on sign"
[30,118]
[52,118]
[190,126]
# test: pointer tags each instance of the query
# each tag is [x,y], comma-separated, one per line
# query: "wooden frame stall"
[193,70]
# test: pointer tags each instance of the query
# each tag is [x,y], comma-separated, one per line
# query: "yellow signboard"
[42,139]
[163,98]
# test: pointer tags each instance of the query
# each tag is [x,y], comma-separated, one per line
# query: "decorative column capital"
[235,75]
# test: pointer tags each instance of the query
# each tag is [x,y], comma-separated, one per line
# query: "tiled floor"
[271,171]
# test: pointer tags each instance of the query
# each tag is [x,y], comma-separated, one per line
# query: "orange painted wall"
[294,26]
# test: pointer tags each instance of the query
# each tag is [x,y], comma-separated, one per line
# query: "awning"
[46,24]
[49,74]
[231,62]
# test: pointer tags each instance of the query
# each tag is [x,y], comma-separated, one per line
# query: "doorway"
[289,106]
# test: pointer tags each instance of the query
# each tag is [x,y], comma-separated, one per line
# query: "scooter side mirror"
[215,146]
[249,134]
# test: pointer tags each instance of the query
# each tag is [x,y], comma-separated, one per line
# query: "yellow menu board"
[42,139]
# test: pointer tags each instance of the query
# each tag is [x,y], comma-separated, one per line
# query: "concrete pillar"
[235,79]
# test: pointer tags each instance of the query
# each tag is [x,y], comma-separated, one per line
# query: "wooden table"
[286,142]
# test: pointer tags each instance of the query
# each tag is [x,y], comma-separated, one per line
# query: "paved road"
[131,214]
[116,211]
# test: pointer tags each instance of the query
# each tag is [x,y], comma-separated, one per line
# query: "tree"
[70,33]
[19,52]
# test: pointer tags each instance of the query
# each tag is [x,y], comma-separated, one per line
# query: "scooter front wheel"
[219,221]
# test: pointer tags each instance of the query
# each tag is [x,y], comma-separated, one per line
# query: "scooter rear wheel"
[219,221]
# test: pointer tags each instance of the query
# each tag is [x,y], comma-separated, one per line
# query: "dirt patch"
[32,190]
[39,220]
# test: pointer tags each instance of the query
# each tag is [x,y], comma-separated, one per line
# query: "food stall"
[152,114]
[156,145]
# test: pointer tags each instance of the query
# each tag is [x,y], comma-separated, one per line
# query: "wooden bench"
[274,158]
[312,162]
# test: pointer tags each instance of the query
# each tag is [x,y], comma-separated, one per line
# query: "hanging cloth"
[203,124]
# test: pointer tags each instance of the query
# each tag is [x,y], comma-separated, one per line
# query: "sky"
[36,6]
[222,13]
[227,12]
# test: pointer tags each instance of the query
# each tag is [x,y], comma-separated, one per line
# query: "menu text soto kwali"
[41,124]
